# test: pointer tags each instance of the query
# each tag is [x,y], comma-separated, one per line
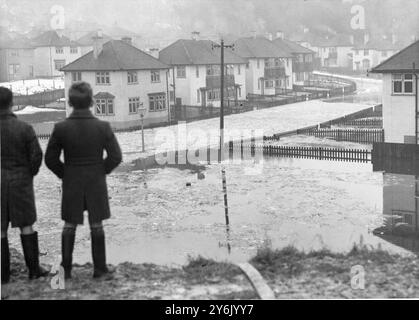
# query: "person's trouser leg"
[5,258]
[67,245]
[29,239]
[98,250]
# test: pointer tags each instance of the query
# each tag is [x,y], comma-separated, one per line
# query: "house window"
[198,96]
[213,70]
[365,64]
[14,69]
[155,76]
[157,102]
[239,91]
[104,107]
[74,50]
[59,64]
[75,76]
[181,72]
[366,52]
[132,77]
[103,78]
[269,84]
[238,69]
[213,94]
[59,50]
[14,53]
[402,83]
[134,105]
[197,71]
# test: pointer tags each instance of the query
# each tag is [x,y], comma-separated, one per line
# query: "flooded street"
[158,218]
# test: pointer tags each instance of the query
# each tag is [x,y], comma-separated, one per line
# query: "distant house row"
[42,56]
[357,53]
[128,82]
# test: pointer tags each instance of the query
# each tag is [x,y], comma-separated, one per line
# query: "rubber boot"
[31,253]
[5,261]
[67,245]
[99,253]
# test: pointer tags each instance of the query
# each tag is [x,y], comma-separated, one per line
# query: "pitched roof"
[116,55]
[52,39]
[259,47]
[291,46]
[196,52]
[401,61]
[87,39]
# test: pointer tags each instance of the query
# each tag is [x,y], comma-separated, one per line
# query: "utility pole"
[221,157]
[222,46]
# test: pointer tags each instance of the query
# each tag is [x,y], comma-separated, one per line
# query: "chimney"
[127,40]
[280,34]
[195,35]
[97,44]
[366,38]
[154,52]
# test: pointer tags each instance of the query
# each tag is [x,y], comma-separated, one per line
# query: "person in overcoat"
[21,158]
[83,138]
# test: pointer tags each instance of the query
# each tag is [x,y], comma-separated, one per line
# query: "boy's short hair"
[6,98]
[80,95]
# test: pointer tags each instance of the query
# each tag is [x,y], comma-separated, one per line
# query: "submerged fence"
[320,153]
[352,135]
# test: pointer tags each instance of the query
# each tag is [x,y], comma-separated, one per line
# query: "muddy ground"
[290,273]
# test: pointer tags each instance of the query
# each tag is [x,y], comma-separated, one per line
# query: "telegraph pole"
[221,157]
[222,46]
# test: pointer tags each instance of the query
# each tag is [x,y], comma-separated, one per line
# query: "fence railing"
[320,153]
[368,122]
[352,135]
[39,99]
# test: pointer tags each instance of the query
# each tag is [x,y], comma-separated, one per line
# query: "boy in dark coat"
[21,158]
[83,138]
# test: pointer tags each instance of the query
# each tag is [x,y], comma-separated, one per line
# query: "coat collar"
[81,114]
[7,113]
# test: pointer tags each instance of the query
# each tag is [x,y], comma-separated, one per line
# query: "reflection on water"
[400,205]
[371,98]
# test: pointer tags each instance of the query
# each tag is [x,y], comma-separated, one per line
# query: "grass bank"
[292,274]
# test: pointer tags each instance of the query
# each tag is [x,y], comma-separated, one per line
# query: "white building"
[196,73]
[268,69]
[400,100]
[124,79]
[302,62]
[372,53]
[52,52]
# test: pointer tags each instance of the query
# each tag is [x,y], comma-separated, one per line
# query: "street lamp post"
[142,109]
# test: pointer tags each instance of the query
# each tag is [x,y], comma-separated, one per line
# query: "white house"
[400,95]
[52,52]
[268,69]
[302,62]
[124,80]
[372,53]
[335,51]
[196,73]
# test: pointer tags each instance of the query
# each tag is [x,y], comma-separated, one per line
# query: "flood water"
[309,204]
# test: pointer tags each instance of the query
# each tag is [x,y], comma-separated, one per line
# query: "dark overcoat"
[21,157]
[83,138]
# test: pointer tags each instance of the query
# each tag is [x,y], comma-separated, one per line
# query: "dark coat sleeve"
[52,155]
[113,151]
[34,151]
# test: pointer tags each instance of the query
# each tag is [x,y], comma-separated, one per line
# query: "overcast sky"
[180,17]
